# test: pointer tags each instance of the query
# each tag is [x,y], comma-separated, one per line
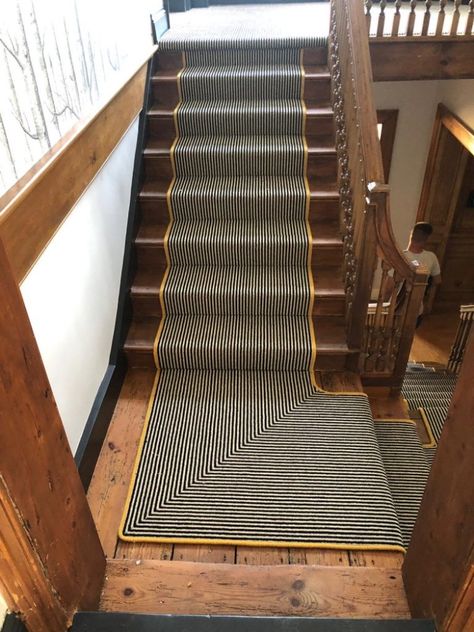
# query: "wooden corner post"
[439,565]
[51,559]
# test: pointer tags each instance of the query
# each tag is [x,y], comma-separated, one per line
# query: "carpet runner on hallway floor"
[239,445]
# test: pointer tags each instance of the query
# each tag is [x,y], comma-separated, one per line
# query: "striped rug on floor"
[429,393]
[239,446]
[407,468]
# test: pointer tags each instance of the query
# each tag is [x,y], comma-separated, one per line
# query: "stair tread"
[312,111]
[160,147]
[154,236]
[148,282]
[324,235]
[153,190]
[329,330]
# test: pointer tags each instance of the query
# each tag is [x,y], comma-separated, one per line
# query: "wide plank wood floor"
[107,495]
[434,338]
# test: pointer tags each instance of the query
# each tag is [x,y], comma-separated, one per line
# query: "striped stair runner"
[239,445]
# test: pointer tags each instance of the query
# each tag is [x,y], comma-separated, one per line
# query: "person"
[419,256]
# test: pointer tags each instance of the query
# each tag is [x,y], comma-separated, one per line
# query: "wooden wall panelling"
[46,525]
[411,59]
[442,544]
[31,218]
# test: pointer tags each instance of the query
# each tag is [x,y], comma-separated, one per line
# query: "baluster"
[381,22]
[386,356]
[455,22]
[411,17]
[368,17]
[426,18]
[456,349]
[376,338]
[396,19]
[470,18]
[441,16]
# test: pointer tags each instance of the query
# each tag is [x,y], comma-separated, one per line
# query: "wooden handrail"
[32,215]
[369,243]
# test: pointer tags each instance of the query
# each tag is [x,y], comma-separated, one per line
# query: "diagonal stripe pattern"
[239,445]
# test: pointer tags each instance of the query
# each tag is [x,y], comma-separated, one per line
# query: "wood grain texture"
[23,581]
[41,489]
[32,217]
[194,588]
[442,543]
[403,59]
[109,485]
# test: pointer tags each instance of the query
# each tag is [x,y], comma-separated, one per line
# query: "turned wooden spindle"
[411,17]
[455,22]
[368,17]
[396,19]
[426,18]
[381,22]
[441,17]
[470,18]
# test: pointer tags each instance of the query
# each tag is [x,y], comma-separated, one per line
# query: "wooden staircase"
[157,174]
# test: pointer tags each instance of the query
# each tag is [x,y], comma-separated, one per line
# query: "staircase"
[326,261]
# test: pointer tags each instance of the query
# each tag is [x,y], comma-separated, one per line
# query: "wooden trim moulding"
[29,220]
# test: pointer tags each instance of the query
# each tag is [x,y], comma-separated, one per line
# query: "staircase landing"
[198,579]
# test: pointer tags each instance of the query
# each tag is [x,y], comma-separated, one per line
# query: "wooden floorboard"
[195,588]
[109,486]
[434,338]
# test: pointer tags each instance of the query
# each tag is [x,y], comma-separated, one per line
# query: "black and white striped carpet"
[239,446]
[429,393]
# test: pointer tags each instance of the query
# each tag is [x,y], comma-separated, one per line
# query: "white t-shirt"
[425,258]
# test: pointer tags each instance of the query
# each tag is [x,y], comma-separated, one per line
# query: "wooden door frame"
[446,122]
[388,119]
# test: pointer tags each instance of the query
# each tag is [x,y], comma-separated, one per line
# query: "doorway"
[447,202]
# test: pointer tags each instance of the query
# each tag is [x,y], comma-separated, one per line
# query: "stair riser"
[319,129]
[142,358]
[149,306]
[155,211]
[172,60]
[324,362]
[153,257]
[322,169]
[317,90]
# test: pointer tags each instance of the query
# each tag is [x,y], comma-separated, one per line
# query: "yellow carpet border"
[263,543]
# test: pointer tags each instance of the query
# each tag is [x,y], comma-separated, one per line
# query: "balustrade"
[466,318]
[384,331]
[411,18]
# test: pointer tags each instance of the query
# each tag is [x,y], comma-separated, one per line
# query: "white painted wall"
[458,96]
[417,102]
[71,293]
[3,610]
